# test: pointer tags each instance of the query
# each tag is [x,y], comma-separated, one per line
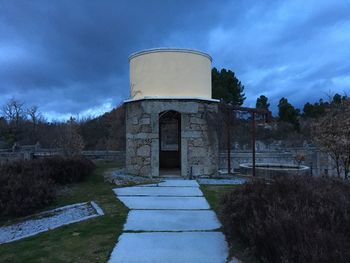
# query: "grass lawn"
[87,241]
[213,194]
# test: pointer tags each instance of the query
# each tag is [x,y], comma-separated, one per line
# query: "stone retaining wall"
[8,156]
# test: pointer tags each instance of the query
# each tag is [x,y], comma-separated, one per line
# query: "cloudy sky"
[71,57]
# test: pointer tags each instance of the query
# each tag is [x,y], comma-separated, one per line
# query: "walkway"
[169,222]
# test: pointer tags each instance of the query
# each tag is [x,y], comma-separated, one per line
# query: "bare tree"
[34,115]
[14,114]
[331,133]
[13,111]
[72,142]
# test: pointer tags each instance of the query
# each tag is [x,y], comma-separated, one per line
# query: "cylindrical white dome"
[170,73]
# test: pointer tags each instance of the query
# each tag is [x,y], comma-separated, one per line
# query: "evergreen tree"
[287,113]
[314,110]
[337,99]
[226,87]
[262,103]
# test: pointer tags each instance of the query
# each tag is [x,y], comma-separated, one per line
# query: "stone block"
[197,120]
[144,150]
[145,135]
[145,170]
[146,161]
[135,121]
[196,127]
[129,137]
[197,170]
[164,105]
[210,170]
[133,110]
[192,134]
[146,120]
[130,151]
[145,128]
[197,152]
[198,142]
[203,127]
[196,160]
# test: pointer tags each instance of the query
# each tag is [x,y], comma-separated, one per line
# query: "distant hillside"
[106,132]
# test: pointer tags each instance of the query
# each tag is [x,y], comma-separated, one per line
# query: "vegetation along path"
[169,222]
[83,242]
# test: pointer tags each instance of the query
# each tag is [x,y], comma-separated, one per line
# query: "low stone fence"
[105,155]
[6,156]
[319,162]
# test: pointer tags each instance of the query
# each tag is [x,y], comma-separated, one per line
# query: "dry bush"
[65,170]
[291,219]
[23,190]
[26,186]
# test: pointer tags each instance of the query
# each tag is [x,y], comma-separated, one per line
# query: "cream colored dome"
[170,73]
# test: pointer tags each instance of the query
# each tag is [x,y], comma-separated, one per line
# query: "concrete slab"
[184,183]
[161,202]
[158,191]
[171,220]
[191,247]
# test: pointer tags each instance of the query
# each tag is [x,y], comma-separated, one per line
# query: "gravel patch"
[121,177]
[49,220]
[235,181]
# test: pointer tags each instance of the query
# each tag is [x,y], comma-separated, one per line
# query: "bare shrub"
[331,133]
[26,186]
[70,141]
[291,219]
[23,189]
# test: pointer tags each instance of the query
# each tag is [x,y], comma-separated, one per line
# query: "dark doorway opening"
[169,143]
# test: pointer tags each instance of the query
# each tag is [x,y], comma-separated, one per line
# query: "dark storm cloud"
[297,49]
[71,57]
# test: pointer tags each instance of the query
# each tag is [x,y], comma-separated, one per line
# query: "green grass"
[88,241]
[213,194]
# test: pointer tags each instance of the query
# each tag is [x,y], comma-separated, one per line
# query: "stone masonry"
[199,142]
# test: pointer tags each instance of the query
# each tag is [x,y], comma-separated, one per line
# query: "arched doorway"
[169,143]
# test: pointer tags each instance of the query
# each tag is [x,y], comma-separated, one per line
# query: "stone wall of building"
[199,143]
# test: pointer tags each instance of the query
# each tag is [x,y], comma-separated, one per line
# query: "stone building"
[171,124]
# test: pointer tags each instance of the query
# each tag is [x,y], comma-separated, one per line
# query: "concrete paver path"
[176,222]
[162,202]
[158,191]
